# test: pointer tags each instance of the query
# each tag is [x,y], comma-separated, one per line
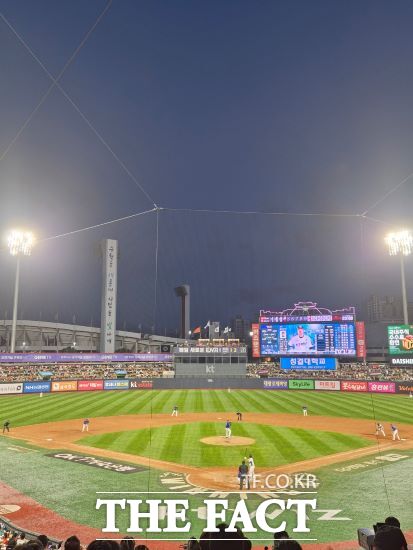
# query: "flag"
[216,328]
[226,330]
[197,330]
[208,324]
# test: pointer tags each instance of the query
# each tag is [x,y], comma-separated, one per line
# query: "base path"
[63,435]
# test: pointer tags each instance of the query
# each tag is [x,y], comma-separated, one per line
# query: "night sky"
[270,106]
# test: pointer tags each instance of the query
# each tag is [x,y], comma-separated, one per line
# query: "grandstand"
[40,336]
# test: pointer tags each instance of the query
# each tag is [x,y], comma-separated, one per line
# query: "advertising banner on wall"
[275,384]
[404,387]
[308,363]
[90,385]
[361,340]
[301,384]
[11,388]
[255,329]
[332,385]
[36,387]
[64,385]
[140,384]
[350,385]
[116,385]
[382,387]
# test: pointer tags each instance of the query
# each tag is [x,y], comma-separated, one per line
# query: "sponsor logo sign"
[377,460]
[98,463]
[89,385]
[308,363]
[141,384]
[402,361]
[301,384]
[116,384]
[69,385]
[275,384]
[400,339]
[382,387]
[332,385]
[255,329]
[11,388]
[361,340]
[407,387]
[36,387]
[349,385]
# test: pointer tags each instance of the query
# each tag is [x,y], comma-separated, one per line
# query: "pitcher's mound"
[232,441]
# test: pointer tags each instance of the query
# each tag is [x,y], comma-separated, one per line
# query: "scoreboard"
[325,338]
[210,361]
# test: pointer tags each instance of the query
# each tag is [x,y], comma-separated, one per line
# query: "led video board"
[400,338]
[304,339]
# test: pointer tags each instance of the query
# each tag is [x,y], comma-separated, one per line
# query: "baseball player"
[228,429]
[239,416]
[175,411]
[251,469]
[243,475]
[395,432]
[305,410]
[380,429]
[301,342]
[6,427]
[85,426]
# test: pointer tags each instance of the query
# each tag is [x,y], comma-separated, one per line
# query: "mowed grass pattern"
[32,409]
[273,446]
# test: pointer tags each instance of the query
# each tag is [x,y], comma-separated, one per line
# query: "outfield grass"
[273,446]
[31,409]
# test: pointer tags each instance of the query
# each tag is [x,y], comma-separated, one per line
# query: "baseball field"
[47,482]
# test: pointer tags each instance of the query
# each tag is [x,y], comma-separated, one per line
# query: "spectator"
[72,543]
[127,544]
[389,537]
[44,541]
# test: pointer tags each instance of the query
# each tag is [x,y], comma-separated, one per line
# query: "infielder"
[85,426]
[6,425]
[175,411]
[395,432]
[228,429]
[380,429]
[305,411]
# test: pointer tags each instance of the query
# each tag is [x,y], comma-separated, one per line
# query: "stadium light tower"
[401,244]
[20,243]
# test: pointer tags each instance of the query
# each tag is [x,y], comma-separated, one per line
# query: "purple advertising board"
[83,357]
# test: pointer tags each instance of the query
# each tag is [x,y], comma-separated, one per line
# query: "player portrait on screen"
[301,342]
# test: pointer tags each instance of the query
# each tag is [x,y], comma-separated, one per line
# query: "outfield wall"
[274,384]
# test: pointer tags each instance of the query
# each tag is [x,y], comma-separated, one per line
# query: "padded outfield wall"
[274,384]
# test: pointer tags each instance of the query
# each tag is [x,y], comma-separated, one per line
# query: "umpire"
[243,475]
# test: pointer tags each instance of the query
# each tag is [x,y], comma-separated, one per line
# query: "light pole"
[20,243]
[401,244]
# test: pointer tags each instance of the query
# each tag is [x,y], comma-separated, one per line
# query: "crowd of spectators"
[388,536]
[83,371]
[344,371]
[96,371]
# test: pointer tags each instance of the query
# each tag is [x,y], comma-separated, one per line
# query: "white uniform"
[380,430]
[305,411]
[300,344]
[395,432]
[251,468]
[228,430]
